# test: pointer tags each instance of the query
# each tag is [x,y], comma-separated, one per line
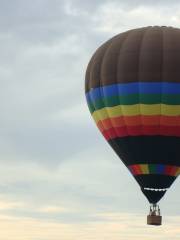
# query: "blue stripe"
[133,88]
[160,168]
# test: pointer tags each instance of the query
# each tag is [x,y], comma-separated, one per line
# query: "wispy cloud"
[127,226]
[58,177]
[53,209]
[113,17]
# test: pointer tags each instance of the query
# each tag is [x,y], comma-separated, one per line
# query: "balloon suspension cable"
[154,210]
[154,217]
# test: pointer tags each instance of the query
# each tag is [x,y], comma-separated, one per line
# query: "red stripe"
[100,126]
[141,130]
[173,170]
[132,169]
[170,130]
[135,169]
[167,170]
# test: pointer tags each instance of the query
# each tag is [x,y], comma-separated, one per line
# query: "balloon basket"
[154,220]
[154,217]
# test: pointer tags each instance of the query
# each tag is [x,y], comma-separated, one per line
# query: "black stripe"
[147,149]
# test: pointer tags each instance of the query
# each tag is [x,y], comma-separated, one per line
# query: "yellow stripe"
[136,109]
[178,172]
[144,168]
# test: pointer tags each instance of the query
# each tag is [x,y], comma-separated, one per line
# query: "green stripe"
[170,99]
[152,168]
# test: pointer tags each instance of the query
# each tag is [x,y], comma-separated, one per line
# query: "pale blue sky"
[59,179]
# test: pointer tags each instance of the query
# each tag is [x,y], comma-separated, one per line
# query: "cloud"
[53,209]
[114,18]
[8,205]
[101,229]
[58,177]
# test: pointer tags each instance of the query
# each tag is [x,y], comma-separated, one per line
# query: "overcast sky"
[59,179]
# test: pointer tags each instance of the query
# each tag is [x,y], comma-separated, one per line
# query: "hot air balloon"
[133,93]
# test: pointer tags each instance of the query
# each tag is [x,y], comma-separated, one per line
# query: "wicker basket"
[154,220]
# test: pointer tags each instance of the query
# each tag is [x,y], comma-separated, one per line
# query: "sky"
[59,179]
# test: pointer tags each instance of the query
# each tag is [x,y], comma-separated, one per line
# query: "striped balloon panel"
[133,92]
[143,169]
[138,108]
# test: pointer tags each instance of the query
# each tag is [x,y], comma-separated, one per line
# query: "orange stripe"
[100,126]
[170,121]
[139,120]
[138,130]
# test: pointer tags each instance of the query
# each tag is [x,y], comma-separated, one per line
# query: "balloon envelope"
[133,93]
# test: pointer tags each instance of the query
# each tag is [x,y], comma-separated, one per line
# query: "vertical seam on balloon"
[91,96]
[103,95]
[129,145]
[102,89]
[87,85]
[138,79]
[139,57]
[179,111]
[162,83]
[124,121]
[87,76]
[119,54]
